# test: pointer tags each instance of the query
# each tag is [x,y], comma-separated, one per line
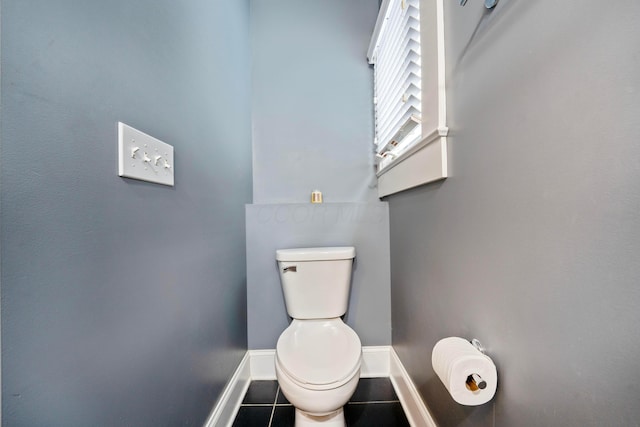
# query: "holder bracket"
[478,345]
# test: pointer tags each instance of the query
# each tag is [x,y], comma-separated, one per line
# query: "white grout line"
[273,409]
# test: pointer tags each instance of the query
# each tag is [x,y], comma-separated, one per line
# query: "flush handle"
[292,268]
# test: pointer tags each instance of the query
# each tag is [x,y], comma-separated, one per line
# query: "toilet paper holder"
[474,381]
[468,374]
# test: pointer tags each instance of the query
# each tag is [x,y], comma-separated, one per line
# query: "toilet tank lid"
[316,254]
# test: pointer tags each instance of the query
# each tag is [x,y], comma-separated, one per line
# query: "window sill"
[423,163]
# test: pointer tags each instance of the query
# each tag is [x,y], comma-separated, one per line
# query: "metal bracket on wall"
[478,345]
[489,4]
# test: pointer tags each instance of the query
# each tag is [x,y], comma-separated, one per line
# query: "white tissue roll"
[453,360]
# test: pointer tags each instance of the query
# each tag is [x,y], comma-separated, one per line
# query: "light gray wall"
[313,129]
[532,244]
[312,100]
[123,303]
[278,226]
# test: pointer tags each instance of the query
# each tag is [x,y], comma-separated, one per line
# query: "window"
[407,51]
[397,85]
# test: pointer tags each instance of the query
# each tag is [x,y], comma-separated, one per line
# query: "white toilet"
[318,356]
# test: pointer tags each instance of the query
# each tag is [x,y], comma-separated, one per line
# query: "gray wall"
[312,100]
[123,303]
[532,244]
[313,129]
[271,227]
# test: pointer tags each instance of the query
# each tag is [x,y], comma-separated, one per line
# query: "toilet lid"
[319,352]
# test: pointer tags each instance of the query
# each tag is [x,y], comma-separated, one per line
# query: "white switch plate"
[144,157]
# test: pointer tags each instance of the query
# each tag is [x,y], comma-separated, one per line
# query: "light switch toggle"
[134,150]
[156,160]
[146,158]
[167,165]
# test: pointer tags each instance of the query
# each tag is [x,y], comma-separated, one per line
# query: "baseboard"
[414,408]
[263,364]
[377,361]
[226,408]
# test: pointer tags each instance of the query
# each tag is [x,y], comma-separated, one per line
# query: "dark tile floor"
[374,403]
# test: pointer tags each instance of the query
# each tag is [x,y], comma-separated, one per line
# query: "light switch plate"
[144,157]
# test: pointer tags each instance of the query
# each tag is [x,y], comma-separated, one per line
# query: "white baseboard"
[414,408]
[263,364]
[377,361]
[226,408]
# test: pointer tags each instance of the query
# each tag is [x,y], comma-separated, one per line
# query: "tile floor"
[374,403]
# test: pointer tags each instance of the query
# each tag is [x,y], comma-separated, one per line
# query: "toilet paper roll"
[455,361]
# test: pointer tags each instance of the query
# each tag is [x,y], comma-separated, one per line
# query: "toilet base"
[334,419]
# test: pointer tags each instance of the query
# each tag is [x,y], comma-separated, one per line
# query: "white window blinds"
[395,53]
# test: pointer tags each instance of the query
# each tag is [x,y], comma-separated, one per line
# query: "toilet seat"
[319,354]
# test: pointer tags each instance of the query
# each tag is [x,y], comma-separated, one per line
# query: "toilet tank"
[316,281]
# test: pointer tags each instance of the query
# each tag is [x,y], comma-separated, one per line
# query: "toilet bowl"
[318,356]
[318,368]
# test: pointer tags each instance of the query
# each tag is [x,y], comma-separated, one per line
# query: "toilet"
[318,356]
